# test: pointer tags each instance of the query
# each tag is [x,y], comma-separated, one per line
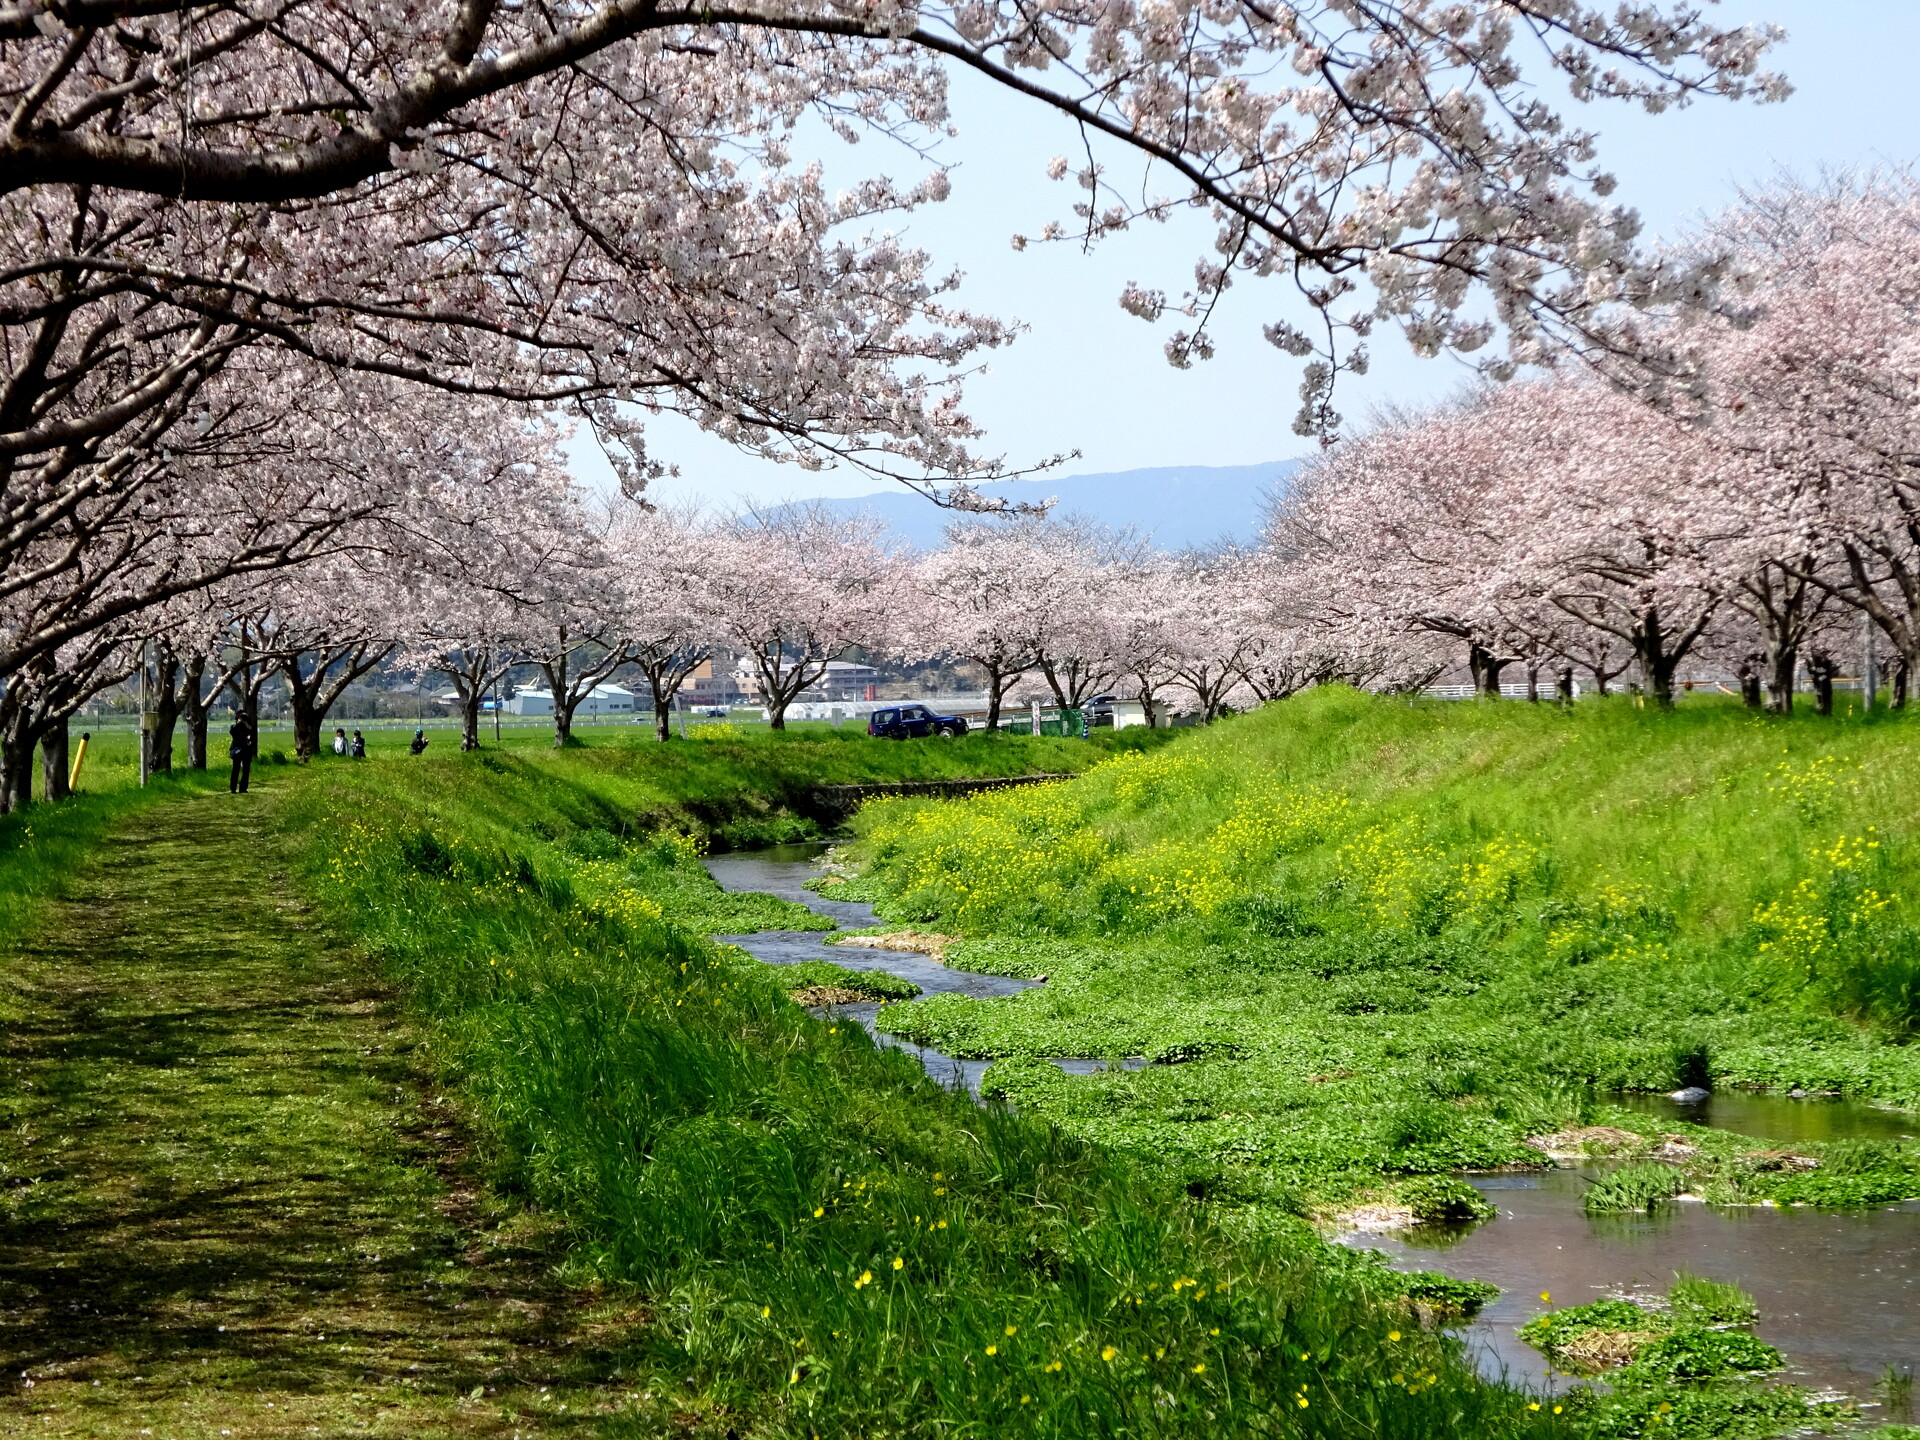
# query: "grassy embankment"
[1399,940]
[657,1196]
[824,1242]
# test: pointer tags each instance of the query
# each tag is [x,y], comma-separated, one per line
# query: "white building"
[601,700]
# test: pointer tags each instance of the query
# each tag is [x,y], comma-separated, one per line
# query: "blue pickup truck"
[908,722]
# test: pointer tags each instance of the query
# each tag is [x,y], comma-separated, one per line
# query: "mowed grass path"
[230,1201]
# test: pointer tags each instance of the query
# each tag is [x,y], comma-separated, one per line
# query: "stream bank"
[1839,1292]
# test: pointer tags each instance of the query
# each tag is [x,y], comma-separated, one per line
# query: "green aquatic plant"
[1699,1300]
[1636,1185]
[1556,1331]
[1443,1200]
[1696,1353]
[1450,1298]
[824,974]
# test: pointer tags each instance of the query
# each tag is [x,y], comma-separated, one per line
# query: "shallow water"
[1779,1117]
[783,871]
[1839,1293]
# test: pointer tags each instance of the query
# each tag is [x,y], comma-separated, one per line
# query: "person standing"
[419,744]
[241,742]
[339,741]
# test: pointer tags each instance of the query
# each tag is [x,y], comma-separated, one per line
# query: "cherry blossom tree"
[795,589]
[600,206]
[1400,143]
[1816,397]
[668,559]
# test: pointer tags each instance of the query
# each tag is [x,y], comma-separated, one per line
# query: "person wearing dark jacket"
[357,747]
[419,742]
[241,743]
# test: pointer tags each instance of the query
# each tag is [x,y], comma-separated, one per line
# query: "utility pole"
[1870,671]
[149,710]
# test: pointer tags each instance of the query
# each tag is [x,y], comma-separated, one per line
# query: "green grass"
[825,1242]
[1364,939]
[232,1200]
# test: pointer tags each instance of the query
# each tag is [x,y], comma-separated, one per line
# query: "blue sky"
[1090,377]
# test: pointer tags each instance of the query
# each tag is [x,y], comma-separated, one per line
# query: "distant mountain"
[1178,506]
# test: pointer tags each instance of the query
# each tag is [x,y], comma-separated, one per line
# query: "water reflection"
[1779,1118]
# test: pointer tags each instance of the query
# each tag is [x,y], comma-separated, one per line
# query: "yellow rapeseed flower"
[1393,1334]
[993,1349]
[866,1278]
[1013,1329]
[1107,1352]
[898,1262]
[1200,1369]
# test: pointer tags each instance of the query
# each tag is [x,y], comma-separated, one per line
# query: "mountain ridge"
[1177,506]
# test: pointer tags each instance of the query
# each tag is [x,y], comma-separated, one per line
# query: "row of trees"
[1750,507]
[453,591]
[1755,506]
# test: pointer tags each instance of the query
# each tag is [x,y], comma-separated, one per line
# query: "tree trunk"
[1782,663]
[307,720]
[1533,684]
[195,707]
[1563,685]
[54,760]
[469,715]
[1656,664]
[1897,684]
[1485,667]
[662,717]
[1820,670]
[555,671]
[166,709]
[996,694]
[1053,682]
[777,712]
[16,766]
[563,709]
[1750,682]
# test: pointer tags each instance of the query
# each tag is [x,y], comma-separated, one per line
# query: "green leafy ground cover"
[1363,940]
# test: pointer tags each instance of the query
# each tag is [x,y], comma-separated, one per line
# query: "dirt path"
[229,1205]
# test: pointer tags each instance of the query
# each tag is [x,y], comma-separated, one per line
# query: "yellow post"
[79,759]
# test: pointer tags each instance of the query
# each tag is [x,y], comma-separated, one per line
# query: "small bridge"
[840,801]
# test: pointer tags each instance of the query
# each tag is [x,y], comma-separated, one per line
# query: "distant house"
[601,700]
[843,680]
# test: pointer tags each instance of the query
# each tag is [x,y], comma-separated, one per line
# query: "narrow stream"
[1839,1293]
[783,871]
